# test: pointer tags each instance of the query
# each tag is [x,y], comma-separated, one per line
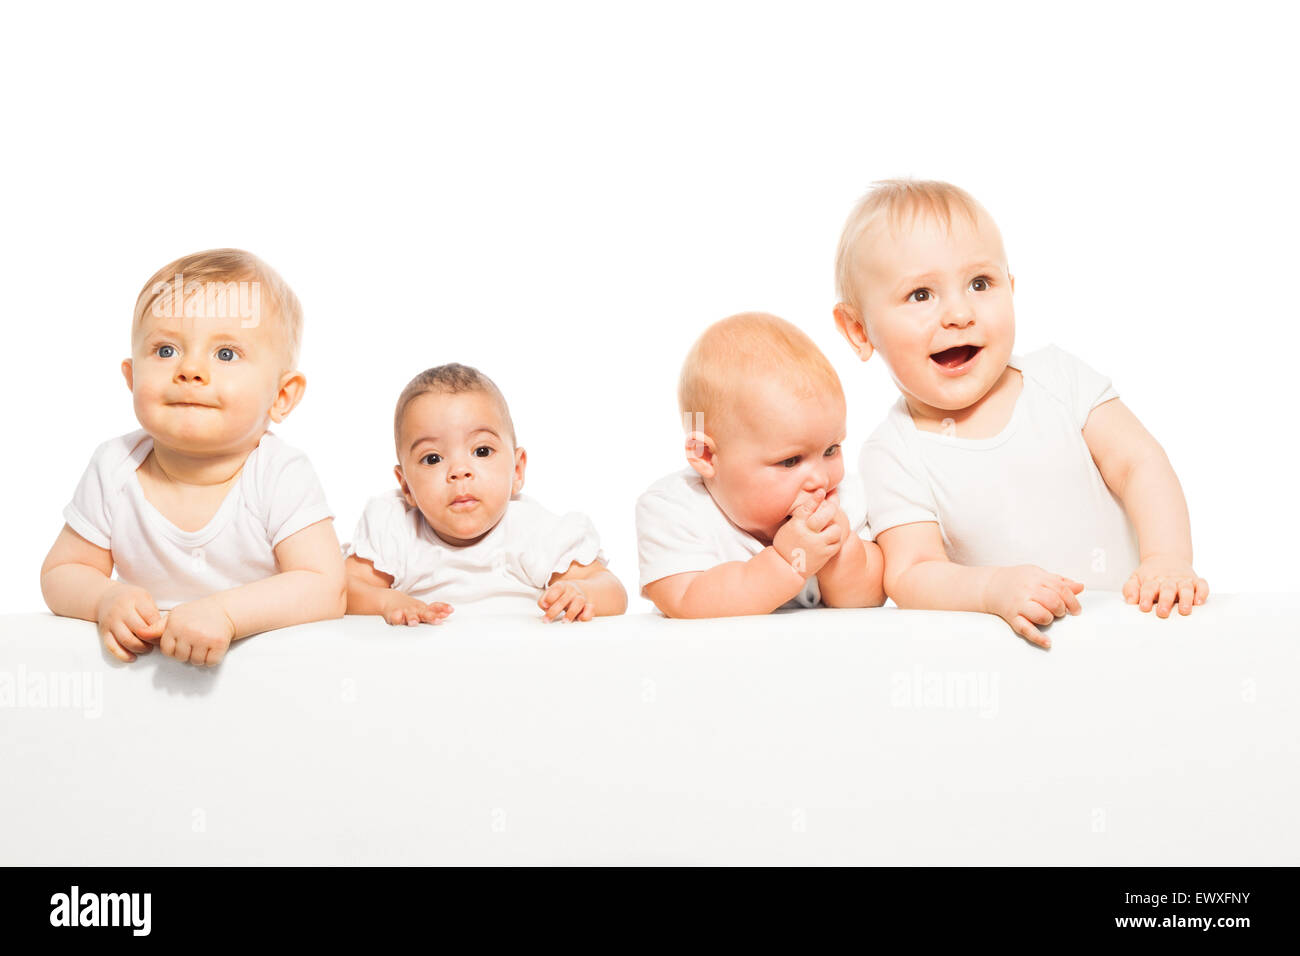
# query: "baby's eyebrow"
[436,438]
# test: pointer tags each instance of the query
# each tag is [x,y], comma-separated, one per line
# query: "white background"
[564,195]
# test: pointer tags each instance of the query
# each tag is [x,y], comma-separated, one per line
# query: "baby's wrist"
[796,561]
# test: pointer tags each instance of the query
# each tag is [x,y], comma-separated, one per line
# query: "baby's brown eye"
[483,448]
[430,459]
[980,284]
[790,462]
[919,295]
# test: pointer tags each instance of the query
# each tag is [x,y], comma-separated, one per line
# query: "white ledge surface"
[821,737]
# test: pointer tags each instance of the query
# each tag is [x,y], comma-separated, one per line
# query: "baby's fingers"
[1202,590]
[113,645]
[433,613]
[1033,635]
[1068,593]
[144,631]
[823,515]
[1132,588]
[1034,611]
[1168,595]
[1147,597]
[559,607]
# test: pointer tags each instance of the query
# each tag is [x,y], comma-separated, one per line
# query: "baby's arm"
[757,586]
[76,581]
[1137,470]
[370,591]
[582,592]
[767,580]
[918,574]
[310,586]
[854,576]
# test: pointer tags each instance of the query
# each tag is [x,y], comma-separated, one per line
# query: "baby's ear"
[1012,280]
[521,462]
[401,483]
[700,452]
[292,385]
[128,371]
[849,321]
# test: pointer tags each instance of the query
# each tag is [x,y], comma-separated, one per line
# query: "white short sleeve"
[287,491]
[384,535]
[854,505]
[1073,382]
[670,538]
[554,545]
[90,511]
[894,481]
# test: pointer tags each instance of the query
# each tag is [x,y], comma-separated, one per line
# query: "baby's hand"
[812,535]
[566,599]
[1026,595]
[1160,581]
[128,621]
[198,632]
[401,608]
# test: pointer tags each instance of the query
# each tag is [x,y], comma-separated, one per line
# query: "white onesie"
[1029,495]
[276,495]
[506,571]
[680,528]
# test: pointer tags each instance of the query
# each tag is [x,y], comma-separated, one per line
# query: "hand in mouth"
[956,357]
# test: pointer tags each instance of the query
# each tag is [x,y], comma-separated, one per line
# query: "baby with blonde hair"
[990,460]
[762,518]
[216,528]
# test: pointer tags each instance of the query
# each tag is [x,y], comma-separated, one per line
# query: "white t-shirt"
[506,571]
[1029,495]
[276,495]
[680,528]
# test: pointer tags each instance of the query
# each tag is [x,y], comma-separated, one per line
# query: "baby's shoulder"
[1068,380]
[526,519]
[1053,367]
[388,509]
[272,455]
[116,460]
[684,486]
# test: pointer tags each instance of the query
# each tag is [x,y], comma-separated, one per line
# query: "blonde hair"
[449,379]
[748,347]
[900,201]
[212,273]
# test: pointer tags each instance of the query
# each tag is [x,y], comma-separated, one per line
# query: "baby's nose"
[191,371]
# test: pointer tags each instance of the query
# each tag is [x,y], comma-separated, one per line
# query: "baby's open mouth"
[957,356]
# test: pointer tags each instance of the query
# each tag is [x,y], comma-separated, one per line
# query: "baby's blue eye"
[832,451]
[430,459]
[166,351]
[919,295]
[227,354]
[790,462]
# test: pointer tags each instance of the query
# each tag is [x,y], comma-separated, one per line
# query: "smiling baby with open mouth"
[998,483]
